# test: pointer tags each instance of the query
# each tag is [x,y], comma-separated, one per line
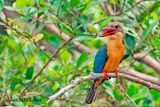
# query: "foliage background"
[26,46]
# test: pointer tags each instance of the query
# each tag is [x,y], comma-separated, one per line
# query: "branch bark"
[54,29]
[148,60]
[131,72]
[79,80]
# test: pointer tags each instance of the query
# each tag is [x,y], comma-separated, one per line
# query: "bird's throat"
[114,43]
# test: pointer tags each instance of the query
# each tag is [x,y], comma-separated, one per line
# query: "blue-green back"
[100,59]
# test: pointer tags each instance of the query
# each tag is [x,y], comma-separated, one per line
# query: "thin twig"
[47,63]
[124,11]
[51,82]
[5,60]
[59,7]
[122,6]
[149,78]
[130,7]
[50,59]
[128,97]
[104,6]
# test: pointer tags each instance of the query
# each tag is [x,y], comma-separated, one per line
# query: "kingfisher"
[108,57]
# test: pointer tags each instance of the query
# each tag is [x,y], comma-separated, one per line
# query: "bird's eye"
[116,26]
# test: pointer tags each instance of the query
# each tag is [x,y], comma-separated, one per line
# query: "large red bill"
[108,31]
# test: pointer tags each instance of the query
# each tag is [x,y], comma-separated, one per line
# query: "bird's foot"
[116,72]
[105,74]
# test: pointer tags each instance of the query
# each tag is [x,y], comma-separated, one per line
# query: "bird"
[108,57]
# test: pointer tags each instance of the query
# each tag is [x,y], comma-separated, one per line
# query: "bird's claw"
[116,72]
[105,74]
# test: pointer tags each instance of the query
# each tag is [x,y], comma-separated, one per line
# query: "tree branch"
[148,60]
[79,80]
[143,76]
[54,29]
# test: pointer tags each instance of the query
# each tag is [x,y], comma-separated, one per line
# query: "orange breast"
[115,51]
[113,60]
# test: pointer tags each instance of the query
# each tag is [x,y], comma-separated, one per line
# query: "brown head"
[112,29]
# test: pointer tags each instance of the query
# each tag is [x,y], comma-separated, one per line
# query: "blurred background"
[45,44]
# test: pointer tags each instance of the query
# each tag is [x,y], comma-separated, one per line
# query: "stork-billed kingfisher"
[108,57]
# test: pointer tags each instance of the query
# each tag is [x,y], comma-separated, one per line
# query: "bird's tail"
[91,94]
[93,90]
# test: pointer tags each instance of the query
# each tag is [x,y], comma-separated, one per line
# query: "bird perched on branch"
[108,57]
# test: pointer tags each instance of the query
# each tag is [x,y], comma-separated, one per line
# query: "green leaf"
[47,90]
[55,86]
[56,67]
[82,7]
[117,95]
[92,28]
[37,100]
[22,3]
[74,2]
[148,11]
[107,20]
[16,80]
[126,21]
[146,32]
[2,32]
[1,80]
[130,40]
[54,41]
[41,2]
[65,6]
[65,27]
[17,102]
[131,90]
[131,32]
[155,94]
[29,72]
[31,14]
[147,101]
[42,56]
[82,58]
[12,85]
[1,4]
[65,55]
[83,38]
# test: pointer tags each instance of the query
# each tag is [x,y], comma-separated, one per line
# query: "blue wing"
[100,59]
